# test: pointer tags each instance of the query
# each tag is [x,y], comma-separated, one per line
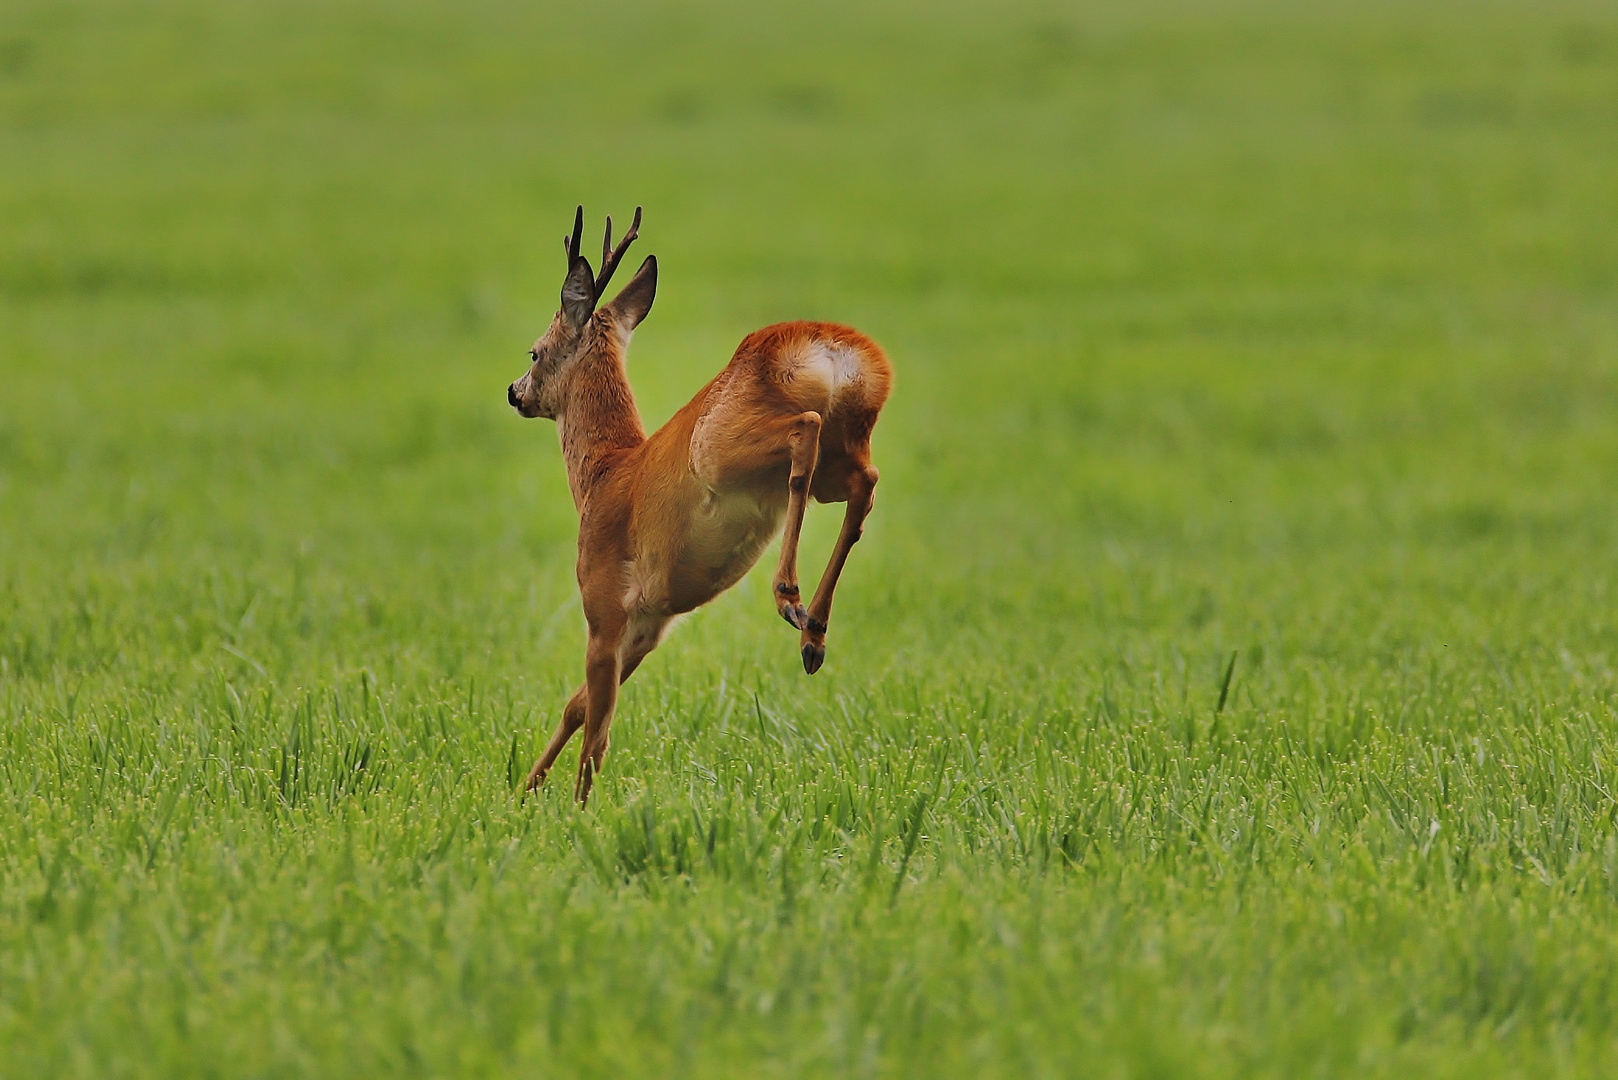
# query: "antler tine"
[578,235]
[610,259]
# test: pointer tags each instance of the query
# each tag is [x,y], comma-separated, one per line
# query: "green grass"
[1283,334]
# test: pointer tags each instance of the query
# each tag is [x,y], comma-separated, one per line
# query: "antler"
[611,255]
[571,246]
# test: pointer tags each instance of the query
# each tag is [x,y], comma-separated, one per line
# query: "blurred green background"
[1225,687]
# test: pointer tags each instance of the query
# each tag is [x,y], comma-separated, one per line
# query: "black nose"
[511,395]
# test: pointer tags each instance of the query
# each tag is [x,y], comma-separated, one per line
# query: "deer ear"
[630,306]
[579,293]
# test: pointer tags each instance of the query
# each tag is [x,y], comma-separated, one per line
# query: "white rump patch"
[831,364]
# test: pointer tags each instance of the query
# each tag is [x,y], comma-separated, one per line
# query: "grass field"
[1226,686]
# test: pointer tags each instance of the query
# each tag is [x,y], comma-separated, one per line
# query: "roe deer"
[670,521]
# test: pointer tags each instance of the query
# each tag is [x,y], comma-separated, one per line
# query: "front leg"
[577,705]
[572,720]
[601,677]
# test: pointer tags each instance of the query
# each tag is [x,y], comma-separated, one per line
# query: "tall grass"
[1225,687]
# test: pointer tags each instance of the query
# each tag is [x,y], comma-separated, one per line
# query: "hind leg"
[856,481]
[803,442]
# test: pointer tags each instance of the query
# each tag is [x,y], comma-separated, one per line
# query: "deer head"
[579,331]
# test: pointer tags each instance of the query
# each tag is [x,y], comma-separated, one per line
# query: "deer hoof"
[796,614]
[813,656]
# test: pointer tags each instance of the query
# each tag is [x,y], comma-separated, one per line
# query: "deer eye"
[533,354]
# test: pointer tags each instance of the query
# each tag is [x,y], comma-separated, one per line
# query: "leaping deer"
[670,521]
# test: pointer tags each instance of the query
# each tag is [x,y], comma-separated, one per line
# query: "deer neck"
[598,419]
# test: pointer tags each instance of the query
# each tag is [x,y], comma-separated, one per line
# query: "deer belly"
[727,534]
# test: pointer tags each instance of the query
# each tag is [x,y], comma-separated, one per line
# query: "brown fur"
[668,522]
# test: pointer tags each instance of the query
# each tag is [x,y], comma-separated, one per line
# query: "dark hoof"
[789,607]
[813,656]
